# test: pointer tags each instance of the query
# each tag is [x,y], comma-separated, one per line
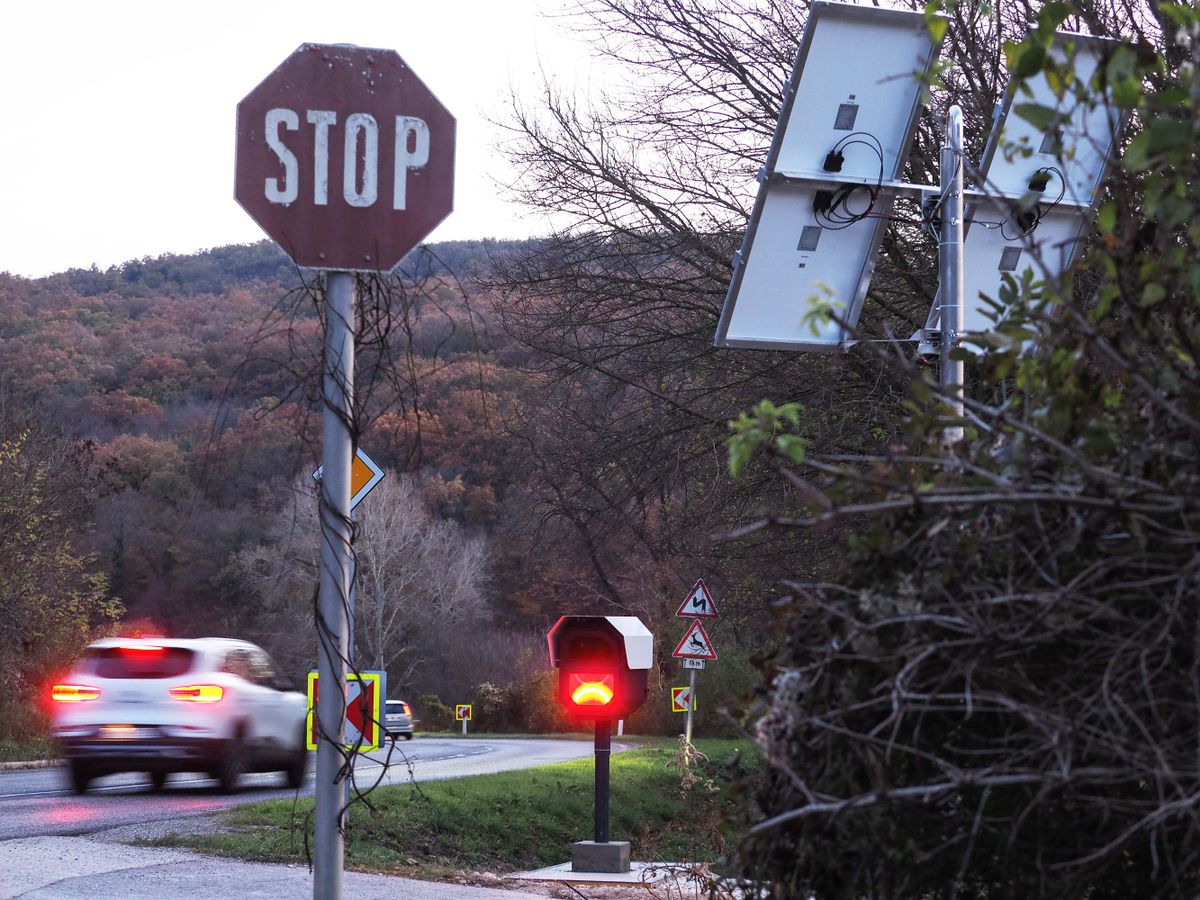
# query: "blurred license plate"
[126,733]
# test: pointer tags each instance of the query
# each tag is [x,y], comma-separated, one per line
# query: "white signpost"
[695,646]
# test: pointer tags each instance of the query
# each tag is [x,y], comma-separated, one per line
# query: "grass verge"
[23,751]
[512,820]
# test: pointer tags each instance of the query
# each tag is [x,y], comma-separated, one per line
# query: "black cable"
[838,214]
[1037,212]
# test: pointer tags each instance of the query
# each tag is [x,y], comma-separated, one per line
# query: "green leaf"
[1106,219]
[739,455]
[1181,15]
[1153,293]
[1024,60]
[935,22]
[1109,293]
[792,446]
[1050,17]
[1169,134]
[1043,118]
[1127,92]
[1136,157]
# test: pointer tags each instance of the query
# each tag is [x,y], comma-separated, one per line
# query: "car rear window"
[127,662]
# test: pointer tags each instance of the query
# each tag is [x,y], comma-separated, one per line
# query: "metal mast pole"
[603,753]
[950,269]
[687,731]
[351,657]
[334,595]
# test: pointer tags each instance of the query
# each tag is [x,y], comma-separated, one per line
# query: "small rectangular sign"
[693,663]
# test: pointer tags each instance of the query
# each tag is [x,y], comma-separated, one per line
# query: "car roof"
[205,643]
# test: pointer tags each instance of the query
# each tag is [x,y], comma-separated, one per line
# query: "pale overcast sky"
[118,117]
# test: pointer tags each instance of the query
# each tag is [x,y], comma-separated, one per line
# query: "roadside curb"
[34,764]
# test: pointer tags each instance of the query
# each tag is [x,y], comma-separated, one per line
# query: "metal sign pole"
[687,733]
[603,753]
[950,269]
[334,594]
[351,657]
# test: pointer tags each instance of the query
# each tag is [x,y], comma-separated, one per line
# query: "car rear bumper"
[162,753]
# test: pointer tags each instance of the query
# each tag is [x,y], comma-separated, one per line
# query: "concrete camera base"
[589,856]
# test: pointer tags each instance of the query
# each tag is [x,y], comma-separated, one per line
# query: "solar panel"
[849,114]
[1041,186]
[1047,251]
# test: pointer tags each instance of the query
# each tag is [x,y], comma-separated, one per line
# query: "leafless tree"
[419,581]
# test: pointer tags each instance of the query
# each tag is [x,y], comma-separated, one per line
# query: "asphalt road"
[37,802]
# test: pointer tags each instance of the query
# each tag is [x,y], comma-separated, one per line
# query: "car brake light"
[407,710]
[151,649]
[74,693]
[198,693]
[591,689]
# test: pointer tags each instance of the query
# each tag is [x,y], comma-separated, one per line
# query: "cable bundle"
[832,208]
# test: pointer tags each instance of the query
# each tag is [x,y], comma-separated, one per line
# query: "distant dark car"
[398,720]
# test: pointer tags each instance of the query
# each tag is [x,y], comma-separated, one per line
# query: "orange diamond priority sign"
[364,475]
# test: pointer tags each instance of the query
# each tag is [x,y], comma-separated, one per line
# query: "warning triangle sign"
[695,644]
[699,604]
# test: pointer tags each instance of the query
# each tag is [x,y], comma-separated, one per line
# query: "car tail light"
[592,689]
[74,693]
[148,649]
[406,708]
[198,693]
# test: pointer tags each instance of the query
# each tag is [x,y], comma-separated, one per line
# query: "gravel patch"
[209,823]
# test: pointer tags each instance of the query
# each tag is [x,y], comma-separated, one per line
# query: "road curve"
[37,802]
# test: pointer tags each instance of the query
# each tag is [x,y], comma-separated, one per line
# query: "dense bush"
[998,695]
[432,714]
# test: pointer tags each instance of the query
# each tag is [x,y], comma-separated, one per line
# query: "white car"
[189,705]
[398,720]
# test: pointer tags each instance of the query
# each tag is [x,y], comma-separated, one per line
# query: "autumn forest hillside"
[161,425]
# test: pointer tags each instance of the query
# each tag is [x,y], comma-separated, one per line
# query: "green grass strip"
[511,820]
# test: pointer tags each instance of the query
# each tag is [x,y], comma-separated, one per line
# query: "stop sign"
[344,157]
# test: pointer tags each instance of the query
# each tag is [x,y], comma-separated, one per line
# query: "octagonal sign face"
[344,158]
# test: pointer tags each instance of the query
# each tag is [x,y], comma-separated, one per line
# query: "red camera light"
[591,688]
[603,664]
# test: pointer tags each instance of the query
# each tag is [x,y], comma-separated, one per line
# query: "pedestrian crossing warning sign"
[698,603]
[695,644]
